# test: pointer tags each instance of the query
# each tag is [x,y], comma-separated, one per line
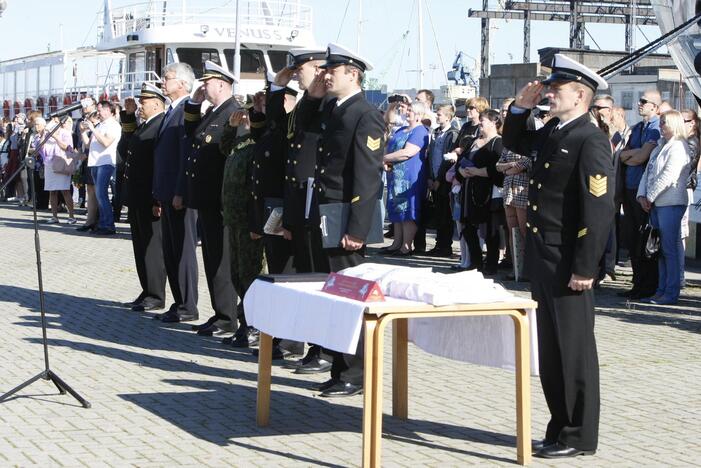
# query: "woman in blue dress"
[405,163]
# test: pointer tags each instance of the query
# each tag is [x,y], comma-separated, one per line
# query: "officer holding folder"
[348,170]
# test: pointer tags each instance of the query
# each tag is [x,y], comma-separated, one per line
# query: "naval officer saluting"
[349,170]
[570,210]
[203,177]
[144,210]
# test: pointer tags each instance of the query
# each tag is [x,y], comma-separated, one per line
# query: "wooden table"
[375,319]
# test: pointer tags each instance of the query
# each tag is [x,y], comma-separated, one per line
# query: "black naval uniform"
[267,175]
[204,171]
[570,211]
[145,228]
[303,132]
[349,170]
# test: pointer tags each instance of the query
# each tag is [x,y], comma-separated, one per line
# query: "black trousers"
[118,191]
[278,251]
[148,251]
[308,256]
[179,230]
[471,234]
[443,217]
[569,366]
[346,367]
[644,270]
[217,265]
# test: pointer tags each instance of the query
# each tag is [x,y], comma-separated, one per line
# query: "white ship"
[136,40]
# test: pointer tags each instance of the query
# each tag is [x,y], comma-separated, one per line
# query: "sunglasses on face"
[598,108]
[643,101]
[471,108]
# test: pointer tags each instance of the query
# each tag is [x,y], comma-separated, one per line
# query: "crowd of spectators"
[455,178]
[468,178]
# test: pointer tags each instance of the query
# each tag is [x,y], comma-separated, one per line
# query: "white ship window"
[197,57]
[278,59]
[252,63]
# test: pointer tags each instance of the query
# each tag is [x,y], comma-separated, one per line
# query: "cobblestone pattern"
[162,396]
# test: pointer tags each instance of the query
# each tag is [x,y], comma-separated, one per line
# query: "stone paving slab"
[162,396]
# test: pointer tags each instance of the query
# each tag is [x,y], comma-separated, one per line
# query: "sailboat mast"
[360,24]
[421,44]
[237,50]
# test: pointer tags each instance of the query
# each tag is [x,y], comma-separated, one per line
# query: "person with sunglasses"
[643,139]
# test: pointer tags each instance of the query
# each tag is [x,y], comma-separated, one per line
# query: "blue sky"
[385,41]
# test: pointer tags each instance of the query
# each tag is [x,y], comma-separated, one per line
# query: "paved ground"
[163,396]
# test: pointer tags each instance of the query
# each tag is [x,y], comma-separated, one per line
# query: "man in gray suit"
[178,223]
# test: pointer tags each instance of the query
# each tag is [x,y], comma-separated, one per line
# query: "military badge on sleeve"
[597,185]
[373,144]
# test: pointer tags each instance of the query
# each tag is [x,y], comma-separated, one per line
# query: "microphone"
[66,110]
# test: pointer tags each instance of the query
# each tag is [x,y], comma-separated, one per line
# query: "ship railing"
[125,84]
[137,17]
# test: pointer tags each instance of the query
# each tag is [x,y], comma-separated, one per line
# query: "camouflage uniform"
[247,259]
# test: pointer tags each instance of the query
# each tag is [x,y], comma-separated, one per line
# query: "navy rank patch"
[597,185]
[373,144]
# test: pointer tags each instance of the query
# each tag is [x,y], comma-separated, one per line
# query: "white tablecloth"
[302,312]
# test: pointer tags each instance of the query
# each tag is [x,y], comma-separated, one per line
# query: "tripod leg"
[61,384]
[42,375]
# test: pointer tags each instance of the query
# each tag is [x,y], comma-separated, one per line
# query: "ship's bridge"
[284,24]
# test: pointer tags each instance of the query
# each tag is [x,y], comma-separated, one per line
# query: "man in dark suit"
[178,223]
[144,212]
[570,211]
[204,174]
[300,151]
[349,170]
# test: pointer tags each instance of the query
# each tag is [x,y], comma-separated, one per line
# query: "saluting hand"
[530,95]
[239,118]
[317,89]
[130,105]
[284,76]
[580,283]
[198,96]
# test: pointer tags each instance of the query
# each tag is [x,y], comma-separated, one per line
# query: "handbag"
[65,165]
[649,242]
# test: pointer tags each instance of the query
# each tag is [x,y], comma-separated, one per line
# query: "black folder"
[334,224]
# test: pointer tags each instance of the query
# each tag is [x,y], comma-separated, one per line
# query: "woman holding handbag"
[478,170]
[53,154]
[662,193]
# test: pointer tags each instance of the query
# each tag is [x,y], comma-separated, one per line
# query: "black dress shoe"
[540,444]
[148,305]
[278,353]
[342,389]
[239,341]
[206,324]
[85,228]
[136,301]
[399,253]
[173,308]
[387,251]
[440,252]
[181,316]
[558,450]
[207,331]
[105,232]
[314,366]
[323,386]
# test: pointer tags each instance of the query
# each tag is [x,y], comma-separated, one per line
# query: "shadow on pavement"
[227,413]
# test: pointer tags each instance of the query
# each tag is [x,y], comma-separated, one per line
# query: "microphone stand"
[47,373]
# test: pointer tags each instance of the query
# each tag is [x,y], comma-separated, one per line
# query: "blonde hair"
[675,121]
[447,109]
[479,103]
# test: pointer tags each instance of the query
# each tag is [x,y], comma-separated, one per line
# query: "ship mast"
[237,50]
[421,44]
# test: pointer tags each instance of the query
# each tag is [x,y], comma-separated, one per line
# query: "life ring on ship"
[28,105]
[41,103]
[67,100]
[6,109]
[16,107]
[103,97]
[53,104]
